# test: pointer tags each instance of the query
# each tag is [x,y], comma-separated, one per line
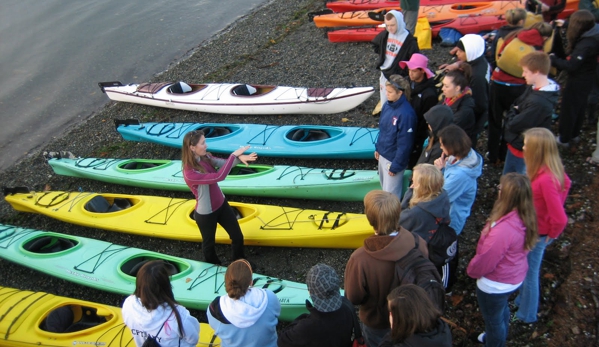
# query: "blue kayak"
[299,141]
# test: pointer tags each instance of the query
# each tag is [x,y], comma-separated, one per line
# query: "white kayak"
[228,98]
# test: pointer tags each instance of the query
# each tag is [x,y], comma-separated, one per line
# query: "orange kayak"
[369,5]
[472,24]
[434,13]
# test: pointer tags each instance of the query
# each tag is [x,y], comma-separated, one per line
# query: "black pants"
[501,97]
[572,108]
[207,224]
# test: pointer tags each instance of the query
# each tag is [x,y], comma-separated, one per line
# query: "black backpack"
[443,245]
[415,268]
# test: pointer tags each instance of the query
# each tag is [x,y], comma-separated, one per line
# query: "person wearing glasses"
[202,172]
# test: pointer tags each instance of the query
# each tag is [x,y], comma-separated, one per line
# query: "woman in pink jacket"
[550,186]
[202,172]
[500,263]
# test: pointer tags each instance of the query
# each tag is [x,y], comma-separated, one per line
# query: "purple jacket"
[500,253]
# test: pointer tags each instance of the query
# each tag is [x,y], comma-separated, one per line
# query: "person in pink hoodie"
[550,186]
[499,265]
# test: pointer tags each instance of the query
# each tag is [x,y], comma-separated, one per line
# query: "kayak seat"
[319,92]
[237,213]
[89,319]
[48,245]
[59,320]
[306,135]
[210,132]
[99,204]
[244,90]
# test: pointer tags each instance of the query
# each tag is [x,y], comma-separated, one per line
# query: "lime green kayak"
[254,180]
[110,267]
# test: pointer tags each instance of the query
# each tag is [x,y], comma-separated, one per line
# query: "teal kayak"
[111,267]
[254,180]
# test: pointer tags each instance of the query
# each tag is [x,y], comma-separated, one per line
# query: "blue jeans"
[373,337]
[496,314]
[513,164]
[528,298]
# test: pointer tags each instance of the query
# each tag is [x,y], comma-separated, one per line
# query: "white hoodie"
[142,322]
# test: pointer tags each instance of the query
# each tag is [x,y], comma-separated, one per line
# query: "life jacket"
[423,33]
[508,54]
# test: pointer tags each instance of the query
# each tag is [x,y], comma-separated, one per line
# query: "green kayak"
[254,180]
[110,267]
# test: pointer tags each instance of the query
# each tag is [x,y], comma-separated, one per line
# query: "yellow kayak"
[171,218]
[23,322]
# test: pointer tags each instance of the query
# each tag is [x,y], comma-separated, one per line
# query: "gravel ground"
[273,45]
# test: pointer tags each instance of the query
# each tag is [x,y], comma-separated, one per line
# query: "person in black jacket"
[423,97]
[415,321]
[437,118]
[532,109]
[393,45]
[583,47]
[330,321]
[458,96]
[471,49]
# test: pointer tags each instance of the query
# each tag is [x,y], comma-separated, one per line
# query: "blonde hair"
[382,210]
[516,194]
[400,84]
[429,185]
[541,151]
[238,278]
[514,15]
[188,159]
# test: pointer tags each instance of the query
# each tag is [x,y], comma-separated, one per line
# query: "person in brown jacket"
[371,268]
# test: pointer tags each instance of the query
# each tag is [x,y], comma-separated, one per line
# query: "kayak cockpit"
[107,204]
[136,165]
[73,318]
[131,266]
[49,244]
[311,134]
[253,90]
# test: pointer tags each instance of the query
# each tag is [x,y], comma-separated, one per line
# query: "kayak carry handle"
[15,190]
[125,122]
[311,15]
[102,85]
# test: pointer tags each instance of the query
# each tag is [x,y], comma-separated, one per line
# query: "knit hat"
[417,61]
[323,285]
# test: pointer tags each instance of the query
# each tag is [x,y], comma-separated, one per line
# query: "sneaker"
[562,144]
[481,337]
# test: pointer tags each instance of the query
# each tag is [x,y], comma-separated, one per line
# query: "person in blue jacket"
[461,166]
[397,127]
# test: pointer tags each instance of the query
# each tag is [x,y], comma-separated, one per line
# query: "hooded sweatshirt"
[370,271]
[460,184]
[500,253]
[439,336]
[474,46]
[397,128]
[530,110]
[142,323]
[438,117]
[424,97]
[423,217]
[393,48]
[250,321]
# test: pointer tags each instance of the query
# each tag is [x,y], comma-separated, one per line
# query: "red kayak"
[468,24]
[368,5]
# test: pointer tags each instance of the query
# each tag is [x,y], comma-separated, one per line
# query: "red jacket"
[549,199]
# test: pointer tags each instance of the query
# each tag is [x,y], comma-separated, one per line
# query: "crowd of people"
[507,87]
